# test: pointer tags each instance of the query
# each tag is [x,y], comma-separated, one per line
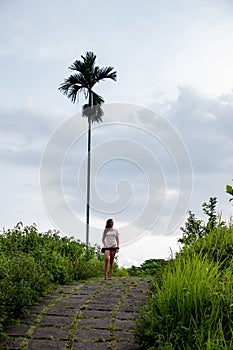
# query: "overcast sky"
[165,145]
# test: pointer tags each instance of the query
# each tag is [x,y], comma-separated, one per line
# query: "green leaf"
[229,189]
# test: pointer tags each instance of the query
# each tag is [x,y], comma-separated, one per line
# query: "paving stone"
[79,299]
[139,293]
[92,334]
[38,344]
[106,300]
[28,318]
[126,315]
[129,308]
[20,330]
[36,309]
[88,289]
[71,303]
[11,343]
[50,333]
[82,298]
[103,307]
[111,293]
[128,302]
[95,285]
[138,302]
[93,323]
[59,311]
[137,296]
[124,325]
[125,346]
[56,320]
[123,336]
[143,288]
[91,346]
[84,294]
[117,289]
[135,300]
[96,314]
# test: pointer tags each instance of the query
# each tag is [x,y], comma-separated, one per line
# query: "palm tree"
[82,81]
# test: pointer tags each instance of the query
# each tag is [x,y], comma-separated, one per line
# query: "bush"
[195,229]
[151,267]
[65,259]
[122,272]
[22,283]
[32,262]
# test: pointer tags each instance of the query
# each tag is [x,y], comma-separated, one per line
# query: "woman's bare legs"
[107,259]
[112,256]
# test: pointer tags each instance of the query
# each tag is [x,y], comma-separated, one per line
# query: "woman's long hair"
[107,226]
[108,222]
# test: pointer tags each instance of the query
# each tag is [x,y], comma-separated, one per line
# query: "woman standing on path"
[111,247]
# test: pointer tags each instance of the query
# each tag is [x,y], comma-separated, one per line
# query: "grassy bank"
[192,307]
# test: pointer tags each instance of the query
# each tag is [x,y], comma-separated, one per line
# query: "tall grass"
[217,246]
[192,306]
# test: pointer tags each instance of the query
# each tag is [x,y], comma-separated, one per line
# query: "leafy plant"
[150,267]
[229,190]
[195,229]
[192,230]
[210,210]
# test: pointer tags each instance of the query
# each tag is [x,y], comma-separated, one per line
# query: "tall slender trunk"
[88,171]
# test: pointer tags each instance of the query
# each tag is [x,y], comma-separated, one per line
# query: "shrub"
[22,283]
[32,262]
[65,259]
[195,229]
[122,272]
[150,267]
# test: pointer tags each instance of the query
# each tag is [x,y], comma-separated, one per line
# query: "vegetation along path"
[89,315]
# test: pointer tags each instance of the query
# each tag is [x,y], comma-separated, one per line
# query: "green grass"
[191,308]
[217,246]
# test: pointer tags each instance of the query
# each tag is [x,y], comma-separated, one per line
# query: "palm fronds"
[82,81]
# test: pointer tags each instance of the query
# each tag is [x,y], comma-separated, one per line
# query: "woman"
[111,247]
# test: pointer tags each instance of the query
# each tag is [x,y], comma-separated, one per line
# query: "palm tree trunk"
[88,171]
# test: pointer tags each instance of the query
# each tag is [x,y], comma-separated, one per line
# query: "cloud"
[205,123]
[24,133]
[130,175]
[162,46]
[202,121]
[148,247]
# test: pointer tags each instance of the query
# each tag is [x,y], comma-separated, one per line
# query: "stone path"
[94,315]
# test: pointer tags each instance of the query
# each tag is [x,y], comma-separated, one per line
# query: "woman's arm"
[103,240]
[117,242]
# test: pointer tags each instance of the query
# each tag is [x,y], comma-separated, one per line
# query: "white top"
[110,238]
